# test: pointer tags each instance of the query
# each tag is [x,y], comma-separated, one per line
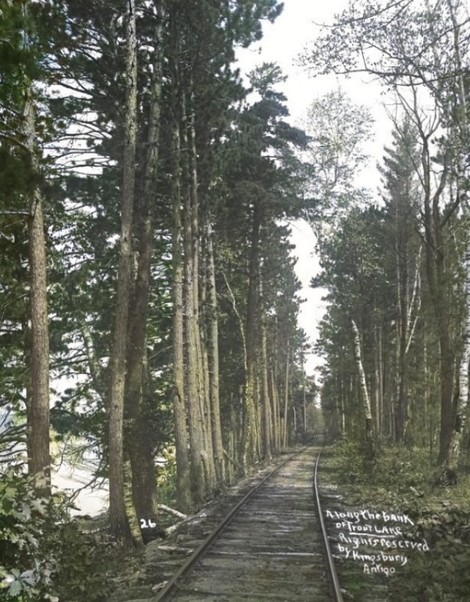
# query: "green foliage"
[339,130]
[25,571]
[400,479]
[81,574]
[167,493]
[71,56]
[421,47]
[447,531]
[398,474]
[44,555]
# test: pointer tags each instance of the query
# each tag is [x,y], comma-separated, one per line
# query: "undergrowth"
[44,554]
[400,479]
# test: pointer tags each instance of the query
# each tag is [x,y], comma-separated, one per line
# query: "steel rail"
[329,556]
[184,568]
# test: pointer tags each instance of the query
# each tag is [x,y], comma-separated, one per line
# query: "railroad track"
[271,546]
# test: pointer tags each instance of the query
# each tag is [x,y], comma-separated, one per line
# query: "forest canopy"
[149,308]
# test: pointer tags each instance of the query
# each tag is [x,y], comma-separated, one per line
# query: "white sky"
[282,43]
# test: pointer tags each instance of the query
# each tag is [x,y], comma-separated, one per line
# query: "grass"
[402,479]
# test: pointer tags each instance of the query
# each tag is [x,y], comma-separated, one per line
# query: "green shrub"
[44,557]
[25,572]
[442,575]
[400,478]
[81,572]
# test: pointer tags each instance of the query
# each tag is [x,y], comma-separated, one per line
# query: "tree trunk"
[369,429]
[286,399]
[138,442]
[401,266]
[462,403]
[379,378]
[39,460]
[266,417]
[213,358]
[447,364]
[276,411]
[200,356]
[249,438]
[117,510]
[94,366]
[462,184]
[304,399]
[435,274]
[191,324]
[238,434]
[183,482]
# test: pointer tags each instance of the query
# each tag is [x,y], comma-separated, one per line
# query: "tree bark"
[462,403]
[139,443]
[462,185]
[266,417]
[213,358]
[117,510]
[250,435]
[191,323]
[39,460]
[369,428]
[200,348]
[286,398]
[276,411]
[183,482]
[180,400]
[401,266]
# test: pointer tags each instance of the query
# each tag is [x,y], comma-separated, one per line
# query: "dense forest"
[149,300]
[397,336]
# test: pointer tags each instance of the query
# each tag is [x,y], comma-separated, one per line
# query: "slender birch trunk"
[369,428]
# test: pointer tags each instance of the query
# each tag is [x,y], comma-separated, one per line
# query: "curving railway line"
[271,546]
